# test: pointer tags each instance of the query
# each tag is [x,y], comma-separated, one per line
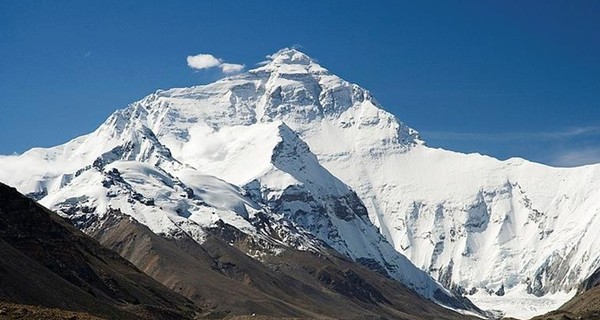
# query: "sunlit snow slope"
[321,155]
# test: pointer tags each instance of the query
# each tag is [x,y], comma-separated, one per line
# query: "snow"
[427,195]
[295,141]
[224,152]
[520,305]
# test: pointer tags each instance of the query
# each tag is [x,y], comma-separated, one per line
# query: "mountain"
[47,262]
[259,177]
[293,156]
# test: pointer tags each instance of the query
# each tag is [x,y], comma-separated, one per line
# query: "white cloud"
[206,61]
[231,67]
[203,61]
[513,136]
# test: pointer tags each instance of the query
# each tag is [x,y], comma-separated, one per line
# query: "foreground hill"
[47,262]
[12,311]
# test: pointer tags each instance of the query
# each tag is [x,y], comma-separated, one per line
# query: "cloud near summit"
[207,61]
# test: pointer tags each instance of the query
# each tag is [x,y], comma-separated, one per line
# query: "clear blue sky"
[504,78]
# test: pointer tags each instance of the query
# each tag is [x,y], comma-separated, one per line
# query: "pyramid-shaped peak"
[290,56]
[291,60]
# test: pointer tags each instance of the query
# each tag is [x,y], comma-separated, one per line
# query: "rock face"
[45,261]
[295,157]
[585,305]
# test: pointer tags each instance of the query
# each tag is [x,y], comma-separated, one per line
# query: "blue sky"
[503,78]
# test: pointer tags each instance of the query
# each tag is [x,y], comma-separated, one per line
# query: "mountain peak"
[290,56]
[291,60]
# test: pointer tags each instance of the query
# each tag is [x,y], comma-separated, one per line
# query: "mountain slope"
[525,228]
[220,276]
[584,305]
[47,262]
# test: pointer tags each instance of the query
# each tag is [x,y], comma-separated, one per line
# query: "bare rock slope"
[45,261]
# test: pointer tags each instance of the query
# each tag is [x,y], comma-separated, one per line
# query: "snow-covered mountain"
[185,160]
[321,160]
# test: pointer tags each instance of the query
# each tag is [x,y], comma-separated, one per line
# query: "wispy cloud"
[573,158]
[513,136]
[564,148]
[207,61]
